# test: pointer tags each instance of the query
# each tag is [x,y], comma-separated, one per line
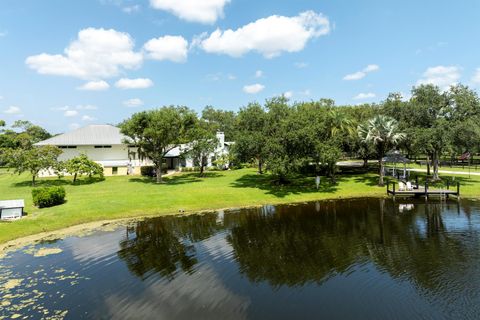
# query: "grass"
[124,196]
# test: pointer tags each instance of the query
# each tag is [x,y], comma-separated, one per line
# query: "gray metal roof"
[102,134]
[10,204]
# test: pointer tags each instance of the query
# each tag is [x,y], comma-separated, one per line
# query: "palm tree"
[381,131]
[339,123]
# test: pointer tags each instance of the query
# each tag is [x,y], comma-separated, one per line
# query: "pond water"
[348,259]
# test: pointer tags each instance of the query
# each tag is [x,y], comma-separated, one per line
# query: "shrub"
[147,171]
[48,196]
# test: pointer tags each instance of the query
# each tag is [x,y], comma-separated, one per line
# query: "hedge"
[48,196]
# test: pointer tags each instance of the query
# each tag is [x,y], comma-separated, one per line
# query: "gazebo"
[391,161]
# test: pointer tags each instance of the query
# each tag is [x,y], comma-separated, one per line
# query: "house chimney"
[221,139]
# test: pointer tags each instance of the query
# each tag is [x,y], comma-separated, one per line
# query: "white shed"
[11,209]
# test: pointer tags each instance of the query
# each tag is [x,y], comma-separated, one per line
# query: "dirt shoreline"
[85,229]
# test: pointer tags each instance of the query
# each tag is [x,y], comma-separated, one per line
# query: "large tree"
[82,165]
[203,143]
[156,132]
[32,160]
[251,135]
[381,131]
[221,120]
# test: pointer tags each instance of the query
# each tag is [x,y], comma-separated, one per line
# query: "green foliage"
[382,132]
[48,196]
[156,132]
[203,143]
[82,165]
[32,160]
[221,120]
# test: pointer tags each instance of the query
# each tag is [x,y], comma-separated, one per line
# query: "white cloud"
[231,77]
[70,113]
[95,54]
[288,94]
[86,107]
[12,110]
[74,126]
[173,48]
[88,118]
[301,65]
[363,96]
[268,36]
[131,9]
[258,74]
[441,76]
[139,83]
[203,11]
[361,74]
[132,103]
[305,92]
[476,77]
[3,34]
[100,85]
[253,88]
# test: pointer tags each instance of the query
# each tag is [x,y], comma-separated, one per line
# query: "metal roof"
[102,134]
[10,204]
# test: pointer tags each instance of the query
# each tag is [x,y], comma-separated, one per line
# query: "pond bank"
[120,198]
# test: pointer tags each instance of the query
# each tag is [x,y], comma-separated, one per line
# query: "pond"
[345,259]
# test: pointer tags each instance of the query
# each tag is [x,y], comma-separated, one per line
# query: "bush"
[147,171]
[48,196]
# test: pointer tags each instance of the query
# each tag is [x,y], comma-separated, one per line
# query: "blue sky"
[65,64]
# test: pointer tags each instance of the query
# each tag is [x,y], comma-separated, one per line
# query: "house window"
[67,147]
[114,170]
[102,147]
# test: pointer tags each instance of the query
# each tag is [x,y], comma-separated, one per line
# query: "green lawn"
[123,196]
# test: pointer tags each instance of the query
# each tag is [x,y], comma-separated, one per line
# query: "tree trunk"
[365,163]
[428,164]
[202,165]
[436,176]
[260,164]
[158,170]
[33,180]
[380,180]
[75,177]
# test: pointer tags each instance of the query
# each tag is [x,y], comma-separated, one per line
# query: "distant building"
[105,144]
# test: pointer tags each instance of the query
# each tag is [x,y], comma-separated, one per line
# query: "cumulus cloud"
[100,85]
[131,9]
[139,83]
[203,11]
[476,77]
[253,88]
[301,65]
[173,48]
[132,103]
[361,74]
[70,113]
[12,110]
[88,118]
[363,96]
[86,107]
[288,94]
[441,76]
[258,74]
[268,36]
[95,54]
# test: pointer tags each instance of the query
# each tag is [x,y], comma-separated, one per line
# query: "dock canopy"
[396,157]
[11,209]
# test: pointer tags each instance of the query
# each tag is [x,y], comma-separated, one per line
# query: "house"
[11,209]
[105,144]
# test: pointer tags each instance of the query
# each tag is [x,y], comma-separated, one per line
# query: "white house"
[105,144]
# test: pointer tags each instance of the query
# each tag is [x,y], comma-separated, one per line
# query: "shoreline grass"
[134,196]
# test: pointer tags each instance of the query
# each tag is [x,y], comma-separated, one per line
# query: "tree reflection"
[165,245]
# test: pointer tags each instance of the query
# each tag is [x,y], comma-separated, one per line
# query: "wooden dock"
[423,191]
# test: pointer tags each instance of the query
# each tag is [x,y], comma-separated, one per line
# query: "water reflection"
[378,258]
